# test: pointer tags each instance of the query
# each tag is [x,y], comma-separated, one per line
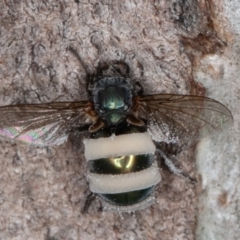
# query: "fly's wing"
[174,118]
[44,124]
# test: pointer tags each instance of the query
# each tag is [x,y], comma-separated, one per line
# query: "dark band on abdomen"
[121,165]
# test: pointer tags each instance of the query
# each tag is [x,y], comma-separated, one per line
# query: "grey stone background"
[172,47]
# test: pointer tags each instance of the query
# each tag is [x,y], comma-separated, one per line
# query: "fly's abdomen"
[122,169]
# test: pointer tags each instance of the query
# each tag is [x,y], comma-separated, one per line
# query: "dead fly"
[123,126]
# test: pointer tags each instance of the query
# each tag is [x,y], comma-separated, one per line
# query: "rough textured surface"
[166,44]
[218,157]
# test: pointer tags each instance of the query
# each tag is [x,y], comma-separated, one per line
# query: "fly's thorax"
[112,97]
[121,165]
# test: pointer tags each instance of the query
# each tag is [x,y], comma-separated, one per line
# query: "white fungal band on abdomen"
[102,183]
[126,144]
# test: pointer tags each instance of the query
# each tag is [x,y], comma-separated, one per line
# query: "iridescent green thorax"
[112,98]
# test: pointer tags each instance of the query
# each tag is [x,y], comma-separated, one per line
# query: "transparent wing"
[44,124]
[174,118]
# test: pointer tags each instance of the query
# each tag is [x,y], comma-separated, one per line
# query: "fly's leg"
[139,88]
[174,169]
[89,200]
[90,75]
